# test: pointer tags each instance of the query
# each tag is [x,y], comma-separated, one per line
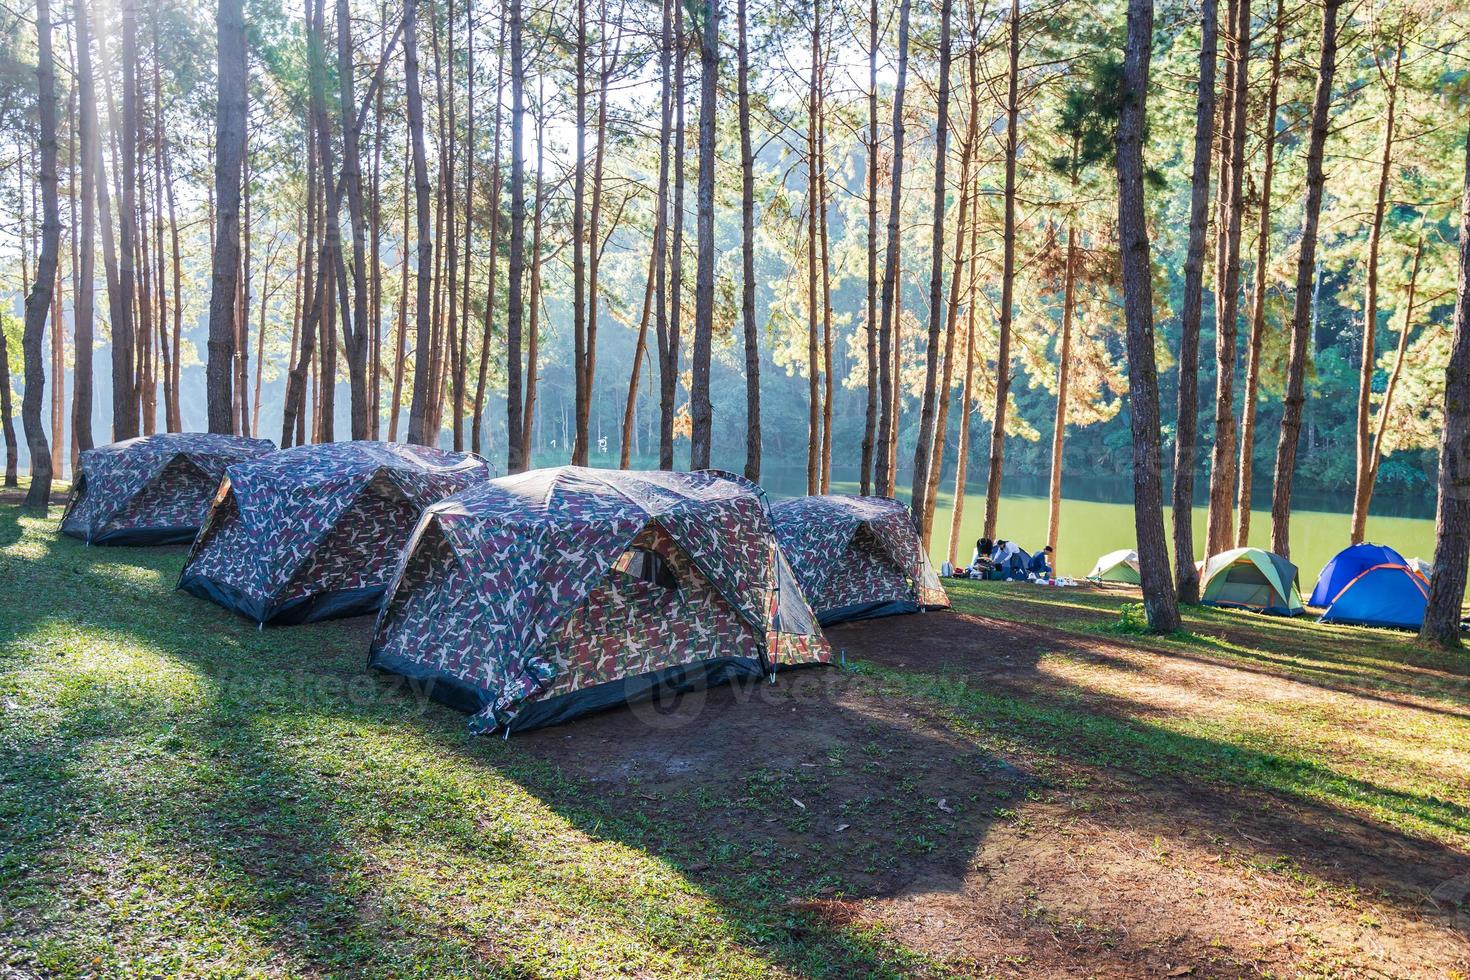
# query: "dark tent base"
[869,610]
[338,604]
[679,679]
[140,537]
[1381,624]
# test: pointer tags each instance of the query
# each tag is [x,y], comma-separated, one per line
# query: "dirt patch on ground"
[878,813]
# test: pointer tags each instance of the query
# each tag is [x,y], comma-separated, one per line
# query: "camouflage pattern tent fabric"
[315,532]
[856,557]
[535,598]
[151,490]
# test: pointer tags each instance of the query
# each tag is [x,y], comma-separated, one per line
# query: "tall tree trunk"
[516,450]
[1064,385]
[967,396]
[924,447]
[477,425]
[667,380]
[579,245]
[1301,323]
[1367,461]
[461,371]
[1160,604]
[228,164]
[355,322]
[640,348]
[83,313]
[160,142]
[533,330]
[884,478]
[1452,519]
[1220,523]
[418,415]
[813,368]
[1186,576]
[701,421]
[1385,407]
[1246,469]
[38,302]
[1008,277]
[670,393]
[125,416]
[747,258]
[400,343]
[823,204]
[870,325]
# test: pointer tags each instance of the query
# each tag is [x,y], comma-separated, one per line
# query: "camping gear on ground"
[532,599]
[1371,585]
[1421,566]
[152,490]
[315,532]
[1116,566]
[1249,578]
[856,557]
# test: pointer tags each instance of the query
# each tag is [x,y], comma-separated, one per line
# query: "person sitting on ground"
[1041,563]
[981,560]
[1001,557]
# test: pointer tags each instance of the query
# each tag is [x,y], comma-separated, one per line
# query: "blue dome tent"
[1371,585]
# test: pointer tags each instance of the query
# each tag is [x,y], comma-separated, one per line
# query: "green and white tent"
[1116,566]
[1249,578]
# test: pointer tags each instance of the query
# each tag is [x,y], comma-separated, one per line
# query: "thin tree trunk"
[1367,452]
[1186,576]
[1452,519]
[1245,470]
[83,310]
[533,330]
[967,396]
[813,368]
[701,421]
[514,426]
[676,261]
[823,203]
[418,416]
[1008,278]
[639,349]
[229,161]
[884,478]
[1160,605]
[660,246]
[1220,522]
[747,260]
[1064,382]
[400,342]
[477,425]
[160,142]
[355,321]
[924,447]
[1385,407]
[125,417]
[870,325]
[461,370]
[1291,420]
[38,301]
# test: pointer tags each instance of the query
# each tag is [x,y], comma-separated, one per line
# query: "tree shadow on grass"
[262,780]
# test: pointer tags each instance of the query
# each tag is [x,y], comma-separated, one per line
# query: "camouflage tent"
[151,490]
[533,599]
[315,532]
[856,557]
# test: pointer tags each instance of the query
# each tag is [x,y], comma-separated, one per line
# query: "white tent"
[1116,566]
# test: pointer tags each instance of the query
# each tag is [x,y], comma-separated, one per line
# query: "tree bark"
[884,478]
[533,321]
[38,301]
[418,416]
[1008,278]
[1301,322]
[1367,461]
[704,281]
[1159,601]
[747,260]
[813,179]
[83,313]
[870,325]
[229,161]
[667,379]
[516,453]
[125,416]
[924,447]
[1246,469]
[354,322]
[967,397]
[1219,522]
[477,425]
[676,261]
[1452,519]
[1186,577]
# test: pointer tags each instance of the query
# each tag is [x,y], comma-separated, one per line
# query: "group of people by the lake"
[1002,560]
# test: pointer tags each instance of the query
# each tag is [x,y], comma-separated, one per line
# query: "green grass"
[181,793]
